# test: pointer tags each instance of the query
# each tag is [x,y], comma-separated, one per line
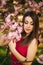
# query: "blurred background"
[14,10]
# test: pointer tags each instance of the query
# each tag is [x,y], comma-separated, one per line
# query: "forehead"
[28,18]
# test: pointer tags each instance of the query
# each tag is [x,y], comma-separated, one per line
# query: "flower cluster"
[18,7]
[40,59]
[11,29]
[39,54]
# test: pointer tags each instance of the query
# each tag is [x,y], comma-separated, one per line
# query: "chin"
[28,32]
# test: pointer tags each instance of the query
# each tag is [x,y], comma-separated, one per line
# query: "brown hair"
[34,33]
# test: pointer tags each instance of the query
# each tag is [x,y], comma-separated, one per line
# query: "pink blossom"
[18,37]
[40,4]
[13,21]
[31,4]
[3,2]
[16,12]
[26,0]
[14,26]
[11,35]
[19,29]
[40,57]
[16,8]
[26,10]
[35,5]
[9,24]
[14,35]
[3,27]
[7,19]
[4,37]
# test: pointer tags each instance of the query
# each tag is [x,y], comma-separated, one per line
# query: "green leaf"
[3,51]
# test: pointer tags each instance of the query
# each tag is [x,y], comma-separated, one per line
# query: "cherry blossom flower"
[3,2]
[19,29]
[12,29]
[7,19]
[40,59]
[14,26]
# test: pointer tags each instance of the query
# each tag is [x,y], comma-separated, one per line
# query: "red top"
[22,50]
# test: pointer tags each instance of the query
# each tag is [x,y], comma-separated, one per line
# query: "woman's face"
[28,25]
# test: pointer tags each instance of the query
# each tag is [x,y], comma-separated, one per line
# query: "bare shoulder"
[33,43]
[34,40]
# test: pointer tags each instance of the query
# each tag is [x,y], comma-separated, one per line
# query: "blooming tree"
[12,30]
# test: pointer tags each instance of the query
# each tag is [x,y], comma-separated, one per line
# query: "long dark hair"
[34,33]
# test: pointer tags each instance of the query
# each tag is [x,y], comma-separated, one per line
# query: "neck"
[26,36]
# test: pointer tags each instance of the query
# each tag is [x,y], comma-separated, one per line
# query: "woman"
[24,50]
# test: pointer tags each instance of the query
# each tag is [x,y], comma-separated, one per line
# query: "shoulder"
[34,42]
[33,45]
[32,49]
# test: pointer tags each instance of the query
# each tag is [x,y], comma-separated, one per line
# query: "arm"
[15,52]
[4,42]
[32,49]
[30,53]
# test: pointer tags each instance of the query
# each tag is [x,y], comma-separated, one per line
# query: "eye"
[25,22]
[32,23]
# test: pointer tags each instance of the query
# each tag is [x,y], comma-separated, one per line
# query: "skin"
[28,25]
[32,47]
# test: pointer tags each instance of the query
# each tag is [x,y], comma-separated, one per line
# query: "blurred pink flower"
[31,4]
[40,59]
[4,36]
[14,26]
[11,35]
[40,4]
[26,10]
[18,37]
[7,19]
[3,26]
[12,29]
[19,29]
[3,2]
[14,35]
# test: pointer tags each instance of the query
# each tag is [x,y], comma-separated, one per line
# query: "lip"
[27,29]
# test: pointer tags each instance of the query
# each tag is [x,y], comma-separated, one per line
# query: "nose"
[28,25]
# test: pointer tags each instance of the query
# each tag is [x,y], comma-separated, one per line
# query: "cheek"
[24,26]
[32,28]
